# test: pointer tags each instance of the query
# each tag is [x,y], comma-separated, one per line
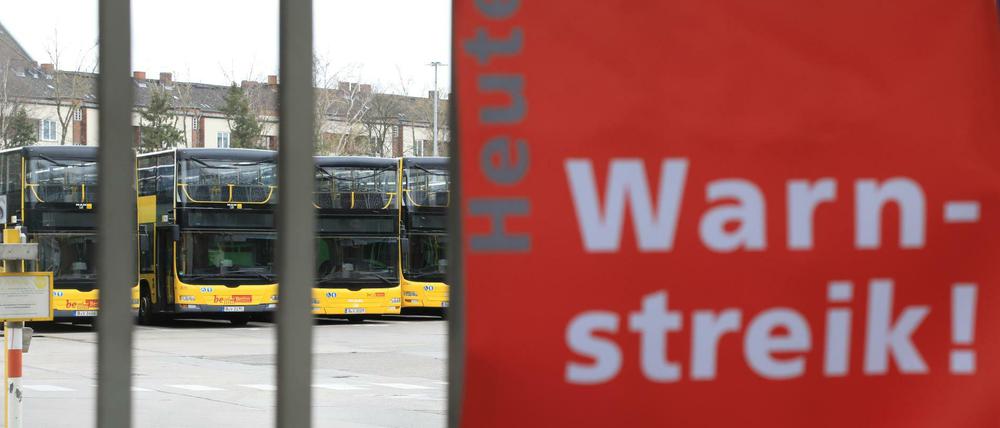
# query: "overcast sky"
[384,42]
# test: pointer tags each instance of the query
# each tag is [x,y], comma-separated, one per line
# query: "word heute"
[777,330]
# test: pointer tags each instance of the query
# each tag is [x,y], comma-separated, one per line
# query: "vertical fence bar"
[456,269]
[116,253]
[296,217]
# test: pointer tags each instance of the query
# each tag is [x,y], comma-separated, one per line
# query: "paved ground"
[389,373]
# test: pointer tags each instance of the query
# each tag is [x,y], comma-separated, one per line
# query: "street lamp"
[436,64]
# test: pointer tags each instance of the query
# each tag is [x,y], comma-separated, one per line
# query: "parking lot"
[198,373]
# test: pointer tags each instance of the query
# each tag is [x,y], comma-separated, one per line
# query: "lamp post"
[436,64]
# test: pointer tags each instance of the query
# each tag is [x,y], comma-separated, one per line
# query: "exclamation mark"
[963,331]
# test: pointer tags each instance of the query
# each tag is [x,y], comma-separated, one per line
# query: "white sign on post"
[26,296]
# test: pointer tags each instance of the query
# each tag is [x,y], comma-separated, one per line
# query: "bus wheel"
[355,319]
[239,320]
[146,316]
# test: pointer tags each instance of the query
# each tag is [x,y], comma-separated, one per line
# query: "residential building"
[351,117]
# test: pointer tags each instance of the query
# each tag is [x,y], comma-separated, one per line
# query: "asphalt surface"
[383,373]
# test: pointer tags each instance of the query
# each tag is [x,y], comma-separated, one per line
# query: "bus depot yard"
[386,372]
[205,286]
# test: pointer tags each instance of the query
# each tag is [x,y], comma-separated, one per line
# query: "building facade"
[352,119]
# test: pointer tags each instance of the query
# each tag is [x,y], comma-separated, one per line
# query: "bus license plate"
[444,304]
[232,309]
[86,313]
[354,310]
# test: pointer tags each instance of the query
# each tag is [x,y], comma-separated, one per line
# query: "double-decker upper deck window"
[339,187]
[427,186]
[47,130]
[61,180]
[213,179]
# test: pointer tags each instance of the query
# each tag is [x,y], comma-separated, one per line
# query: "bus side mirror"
[175,233]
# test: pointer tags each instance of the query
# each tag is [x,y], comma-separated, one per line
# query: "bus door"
[165,263]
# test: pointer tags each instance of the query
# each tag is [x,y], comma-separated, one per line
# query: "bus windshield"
[427,187]
[363,188]
[213,180]
[226,254]
[346,260]
[68,256]
[53,180]
[427,258]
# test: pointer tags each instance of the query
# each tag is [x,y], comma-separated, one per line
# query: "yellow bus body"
[424,294]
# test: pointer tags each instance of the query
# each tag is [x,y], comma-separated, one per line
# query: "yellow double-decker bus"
[206,234]
[425,186]
[357,242]
[50,191]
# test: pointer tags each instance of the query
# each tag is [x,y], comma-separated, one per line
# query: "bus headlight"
[395,300]
[187,298]
[274,298]
[410,294]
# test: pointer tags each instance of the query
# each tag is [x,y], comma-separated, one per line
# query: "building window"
[78,115]
[194,123]
[222,139]
[47,130]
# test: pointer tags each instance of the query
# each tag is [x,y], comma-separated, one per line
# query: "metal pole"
[116,217]
[456,266]
[436,64]
[296,216]
[13,373]
[13,346]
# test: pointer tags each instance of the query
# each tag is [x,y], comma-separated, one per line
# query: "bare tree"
[10,104]
[261,98]
[380,119]
[69,87]
[421,113]
[341,106]
[186,108]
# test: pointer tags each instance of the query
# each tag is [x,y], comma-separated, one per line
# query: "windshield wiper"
[230,275]
[265,276]
[332,278]
[384,279]
[198,277]
[425,274]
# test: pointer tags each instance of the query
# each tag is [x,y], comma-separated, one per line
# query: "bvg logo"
[428,288]
[206,289]
[331,295]
[57,293]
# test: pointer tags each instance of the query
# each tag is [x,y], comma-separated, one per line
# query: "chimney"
[139,75]
[166,78]
[272,80]
[48,68]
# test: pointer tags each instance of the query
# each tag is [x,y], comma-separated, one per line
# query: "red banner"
[730,213]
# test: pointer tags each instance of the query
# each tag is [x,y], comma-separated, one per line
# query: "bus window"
[146,176]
